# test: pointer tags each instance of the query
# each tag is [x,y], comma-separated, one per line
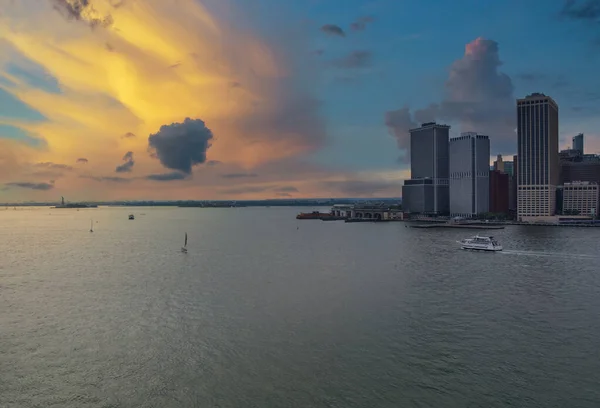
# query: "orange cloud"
[157,63]
[123,72]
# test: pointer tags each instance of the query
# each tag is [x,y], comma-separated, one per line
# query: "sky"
[240,99]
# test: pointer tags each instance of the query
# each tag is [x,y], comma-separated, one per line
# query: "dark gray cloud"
[53,166]
[82,160]
[356,59]
[107,179]
[83,10]
[235,84]
[166,176]
[128,165]
[587,10]
[31,186]
[364,188]
[317,52]
[238,175]
[180,146]
[478,97]
[213,163]
[288,195]
[128,135]
[361,23]
[332,29]
[125,167]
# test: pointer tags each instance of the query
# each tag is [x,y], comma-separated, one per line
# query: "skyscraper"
[427,190]
[578,143]
[499,192]
[499,163]
[538,164]
[469,174]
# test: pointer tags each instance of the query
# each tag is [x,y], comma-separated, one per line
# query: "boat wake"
[550,254]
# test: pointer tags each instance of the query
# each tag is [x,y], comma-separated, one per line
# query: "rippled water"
[267,311]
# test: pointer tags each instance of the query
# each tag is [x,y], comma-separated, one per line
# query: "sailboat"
[92,226]
[184,247]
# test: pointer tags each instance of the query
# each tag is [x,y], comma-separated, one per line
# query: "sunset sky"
[240,99]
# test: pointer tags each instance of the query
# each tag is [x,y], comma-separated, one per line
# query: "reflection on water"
[556,254]
[261,313]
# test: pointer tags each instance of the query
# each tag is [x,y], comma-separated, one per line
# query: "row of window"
[533,123]
[466,174]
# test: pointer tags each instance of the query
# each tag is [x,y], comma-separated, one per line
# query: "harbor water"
[268,311]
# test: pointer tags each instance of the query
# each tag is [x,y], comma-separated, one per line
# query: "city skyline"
[220,100]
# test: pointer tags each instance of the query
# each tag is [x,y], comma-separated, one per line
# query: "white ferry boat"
[479,243]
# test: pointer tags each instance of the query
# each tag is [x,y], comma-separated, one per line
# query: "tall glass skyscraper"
[578,143]
[469,174]
[427,191]
[538,164]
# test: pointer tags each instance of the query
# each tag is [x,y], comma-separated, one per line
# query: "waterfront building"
[499,192]
[578,143]
[575,166]
[570,155]
[538,165]
[580,198]
[427,190]
[469,174]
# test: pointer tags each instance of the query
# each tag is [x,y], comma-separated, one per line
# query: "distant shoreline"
[316,202]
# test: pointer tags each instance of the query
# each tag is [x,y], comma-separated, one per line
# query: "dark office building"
[499,192]
[539,168]
[427,191]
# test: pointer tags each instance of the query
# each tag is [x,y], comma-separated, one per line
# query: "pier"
[462,226]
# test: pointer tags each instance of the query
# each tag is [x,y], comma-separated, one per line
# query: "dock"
[463,226]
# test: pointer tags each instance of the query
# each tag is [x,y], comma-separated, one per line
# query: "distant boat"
[184,247]
[131,217]
[92,226]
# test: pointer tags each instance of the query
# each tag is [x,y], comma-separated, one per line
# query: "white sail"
[184,247]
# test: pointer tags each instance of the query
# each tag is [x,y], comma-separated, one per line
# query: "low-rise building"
[580,198]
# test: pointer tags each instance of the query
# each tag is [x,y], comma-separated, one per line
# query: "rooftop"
[537,97]
[430,125]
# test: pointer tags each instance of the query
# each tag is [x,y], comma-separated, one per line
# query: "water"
[267,311]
